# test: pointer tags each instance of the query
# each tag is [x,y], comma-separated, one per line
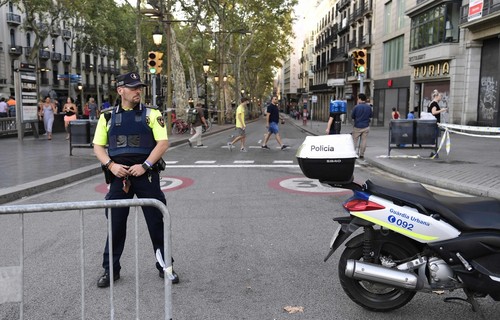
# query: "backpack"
[192,115]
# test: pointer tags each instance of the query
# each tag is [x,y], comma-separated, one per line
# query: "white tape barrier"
[471,130]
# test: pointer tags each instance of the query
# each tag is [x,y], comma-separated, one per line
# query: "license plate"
[335,235]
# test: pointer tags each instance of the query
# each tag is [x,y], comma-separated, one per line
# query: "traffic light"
[360,60]
[354,56]
[155,62]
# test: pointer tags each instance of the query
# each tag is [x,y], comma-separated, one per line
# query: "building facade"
[63,69]
[413,47]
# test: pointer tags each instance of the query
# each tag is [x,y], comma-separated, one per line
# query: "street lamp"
[157,36]
[79,86]
[206,68]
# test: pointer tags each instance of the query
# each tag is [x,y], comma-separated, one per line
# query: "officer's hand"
[119,170]
[136,170]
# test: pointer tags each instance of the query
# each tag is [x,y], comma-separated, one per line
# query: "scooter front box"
[328,158]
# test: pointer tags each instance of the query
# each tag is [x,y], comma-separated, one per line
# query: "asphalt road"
[249,237]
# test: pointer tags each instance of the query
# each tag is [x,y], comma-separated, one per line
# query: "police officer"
[137,139]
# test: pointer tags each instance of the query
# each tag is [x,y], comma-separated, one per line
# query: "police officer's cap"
[129,80]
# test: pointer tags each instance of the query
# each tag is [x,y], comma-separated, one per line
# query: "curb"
[440,183]
[31,188]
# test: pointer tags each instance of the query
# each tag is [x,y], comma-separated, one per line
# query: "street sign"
[314,98]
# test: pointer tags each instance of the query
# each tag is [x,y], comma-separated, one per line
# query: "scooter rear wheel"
[370,295]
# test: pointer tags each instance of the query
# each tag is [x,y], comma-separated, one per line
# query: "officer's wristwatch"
[146,166]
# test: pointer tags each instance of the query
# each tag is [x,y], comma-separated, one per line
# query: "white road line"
[235,166]
[171,162]
[243,161]
[283,161]
[205,162]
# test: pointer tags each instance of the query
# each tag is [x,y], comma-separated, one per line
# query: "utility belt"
[160,165]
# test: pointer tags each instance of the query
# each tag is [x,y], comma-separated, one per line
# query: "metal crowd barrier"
[12,278]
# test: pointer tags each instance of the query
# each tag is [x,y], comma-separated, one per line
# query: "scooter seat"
[465,213]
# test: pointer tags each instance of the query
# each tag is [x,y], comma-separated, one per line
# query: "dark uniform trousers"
[143,188]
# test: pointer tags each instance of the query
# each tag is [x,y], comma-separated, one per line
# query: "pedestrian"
[305,114]
[197,125]
[4,108]
[70,111]
[361,114]
[395,114]
[240,126]
[132,166]
[11,102]
[48,110]
[93,109]
[272,120]
[411,115]
[106,104]
[334,123]
[434,108]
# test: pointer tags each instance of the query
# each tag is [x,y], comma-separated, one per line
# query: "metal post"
[206,91]
[153,89]
[361,85]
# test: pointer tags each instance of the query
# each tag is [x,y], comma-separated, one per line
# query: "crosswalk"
[233,164]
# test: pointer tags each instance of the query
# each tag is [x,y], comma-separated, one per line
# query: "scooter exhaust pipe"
[375,273]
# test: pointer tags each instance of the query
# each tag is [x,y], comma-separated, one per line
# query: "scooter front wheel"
[375,296]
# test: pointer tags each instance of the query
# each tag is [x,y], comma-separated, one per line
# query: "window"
[387,17]
[393,54]
[28,40]
[400,23]
[435,26]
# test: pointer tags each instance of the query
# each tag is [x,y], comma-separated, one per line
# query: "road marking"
[305,186]
[234,166]
[243,161]
[205,162]
[171,162]
[283,161]
[200,147]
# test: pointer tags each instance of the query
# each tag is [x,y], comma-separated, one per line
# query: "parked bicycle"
[180,126]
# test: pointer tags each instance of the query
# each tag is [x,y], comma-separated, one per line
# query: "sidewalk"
[31,166]
[473,165]
[34,165]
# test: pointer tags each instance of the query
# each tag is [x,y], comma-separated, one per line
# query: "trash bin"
[401,132]
[426,132]
[80,131]
[93,125]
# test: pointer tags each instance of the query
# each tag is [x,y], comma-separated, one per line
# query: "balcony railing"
[44,54]
[66,33]
[16,50]
[56,57]
[13,19]
[66,58]
[489,7]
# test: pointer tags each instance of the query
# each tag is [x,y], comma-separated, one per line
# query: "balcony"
[66,33]
[56,57]
[44,54]
[13,19]
[55,32]
[367,40]
[343,4]
[490,17]
[16,50]
[66,58]
[27,51]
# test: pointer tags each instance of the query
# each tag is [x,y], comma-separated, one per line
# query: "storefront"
[388,94]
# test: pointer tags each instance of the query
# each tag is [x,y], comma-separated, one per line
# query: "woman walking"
[71,110]
[47,111]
